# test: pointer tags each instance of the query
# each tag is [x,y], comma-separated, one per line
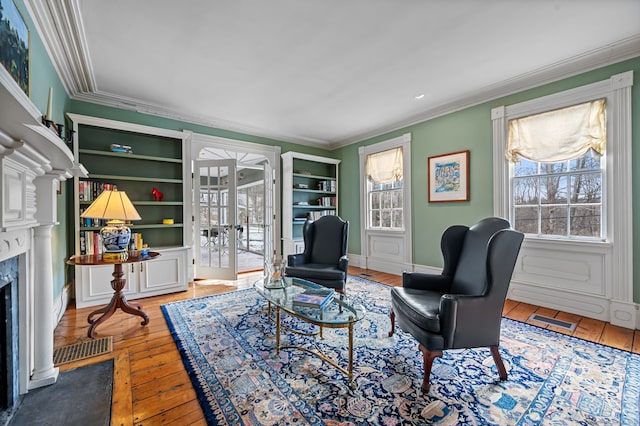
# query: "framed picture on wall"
[14,44]
[449,177]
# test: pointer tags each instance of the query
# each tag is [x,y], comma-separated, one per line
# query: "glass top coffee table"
[337,313]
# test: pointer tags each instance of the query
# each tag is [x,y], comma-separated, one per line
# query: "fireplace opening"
[9,356]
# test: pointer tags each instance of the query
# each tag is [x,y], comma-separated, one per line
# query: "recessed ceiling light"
[420,96]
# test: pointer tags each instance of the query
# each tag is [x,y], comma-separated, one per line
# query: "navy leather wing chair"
[462,307]
[324,260]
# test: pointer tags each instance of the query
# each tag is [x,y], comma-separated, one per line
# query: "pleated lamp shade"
[112,205]
[115,207]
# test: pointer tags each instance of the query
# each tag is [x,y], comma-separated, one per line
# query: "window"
[557,175]
[576,207]
[385,183]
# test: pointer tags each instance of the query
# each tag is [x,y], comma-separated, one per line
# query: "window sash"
[385,204]
[565,206]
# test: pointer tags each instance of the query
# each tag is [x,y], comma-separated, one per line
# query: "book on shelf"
[88,190]
[83,242]
[314,298]
[327,201]
[315,215]
[97,243]
[90,242]
[327,185]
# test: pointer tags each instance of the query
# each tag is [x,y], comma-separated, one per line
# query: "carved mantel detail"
[14,243]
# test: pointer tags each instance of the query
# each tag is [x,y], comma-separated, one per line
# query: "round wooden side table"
[119,300]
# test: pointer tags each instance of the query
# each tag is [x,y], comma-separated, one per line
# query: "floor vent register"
[553,321]
[83,350]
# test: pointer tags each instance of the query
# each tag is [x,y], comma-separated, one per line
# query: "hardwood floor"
[151,386]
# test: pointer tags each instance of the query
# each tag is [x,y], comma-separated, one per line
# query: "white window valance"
[558,135]
[385,166]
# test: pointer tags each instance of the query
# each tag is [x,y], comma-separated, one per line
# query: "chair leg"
[498,360]
[429,356]
[392,316]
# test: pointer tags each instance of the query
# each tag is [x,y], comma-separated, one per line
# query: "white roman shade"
[385,166]
[558,135]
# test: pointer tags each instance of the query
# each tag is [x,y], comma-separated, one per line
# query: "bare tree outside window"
[385,205]
[559,199]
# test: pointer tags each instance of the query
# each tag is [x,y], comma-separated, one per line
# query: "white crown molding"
[60,26]
[594,59]
[132,104]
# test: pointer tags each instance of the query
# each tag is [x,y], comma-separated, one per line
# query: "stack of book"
[314,298]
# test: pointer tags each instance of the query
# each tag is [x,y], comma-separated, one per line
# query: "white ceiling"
[324,72]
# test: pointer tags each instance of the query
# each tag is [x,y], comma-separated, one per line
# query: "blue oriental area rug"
[227,345]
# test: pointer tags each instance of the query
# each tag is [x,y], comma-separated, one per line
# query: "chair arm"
[470,321]
[296,259]
[422,281]
[343,263]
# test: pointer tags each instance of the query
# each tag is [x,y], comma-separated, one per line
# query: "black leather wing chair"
[462,307]
[324,260]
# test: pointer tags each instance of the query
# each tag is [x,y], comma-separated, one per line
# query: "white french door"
[215,222]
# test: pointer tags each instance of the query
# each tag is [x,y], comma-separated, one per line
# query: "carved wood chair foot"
[429,357]
[392,316]
[498,360]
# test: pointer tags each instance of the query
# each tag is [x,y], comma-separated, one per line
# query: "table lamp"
[115,207]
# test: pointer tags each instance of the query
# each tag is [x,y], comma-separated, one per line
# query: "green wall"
[469,129]
[42,76]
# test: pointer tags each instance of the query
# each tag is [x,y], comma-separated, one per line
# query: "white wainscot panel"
[160,273]
[563,266]
[386,247]
[386,252]
[588,306]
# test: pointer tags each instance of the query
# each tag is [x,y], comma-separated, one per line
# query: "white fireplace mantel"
[33,159]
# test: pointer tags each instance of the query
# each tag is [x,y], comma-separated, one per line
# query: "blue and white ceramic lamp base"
[115,239]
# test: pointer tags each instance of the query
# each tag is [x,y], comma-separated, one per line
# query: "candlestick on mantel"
[48,116]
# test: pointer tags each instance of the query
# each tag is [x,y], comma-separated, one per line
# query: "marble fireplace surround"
[33,160]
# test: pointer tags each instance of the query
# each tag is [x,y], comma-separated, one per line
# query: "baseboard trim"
[60,304]
[355,260]
[389,267]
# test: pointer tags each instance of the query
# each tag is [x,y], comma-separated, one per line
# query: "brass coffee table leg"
[277,330]
[351,355]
